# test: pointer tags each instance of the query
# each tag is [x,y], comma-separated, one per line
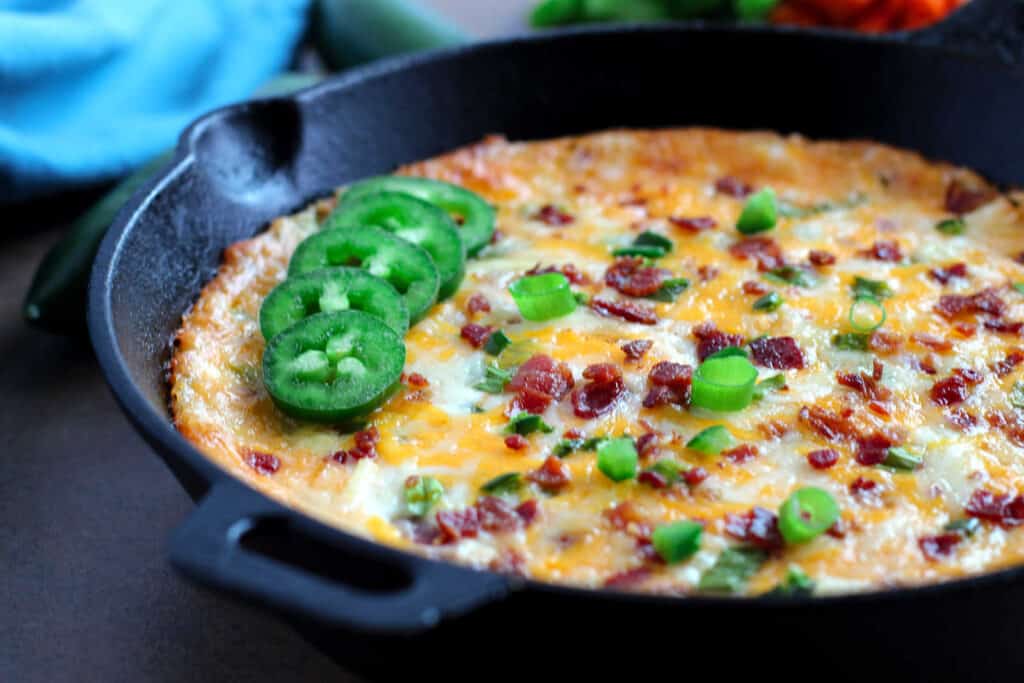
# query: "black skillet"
[952,92]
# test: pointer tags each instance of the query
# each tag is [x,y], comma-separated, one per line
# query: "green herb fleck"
[796,584]
[527,423]
[1016,396]
[768,303]
[790,275]
[510,482]
[951,226]
[566,446]
[901,459]
[712,440]
[871,289]
[669,470]
[670,289]
[851,341]
[767,385]
[496,343]
[732,570]
[494,380]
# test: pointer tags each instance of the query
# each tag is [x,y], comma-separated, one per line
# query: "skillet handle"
[241,542]
[984,28]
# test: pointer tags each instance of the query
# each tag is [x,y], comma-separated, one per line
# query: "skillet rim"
[160,433]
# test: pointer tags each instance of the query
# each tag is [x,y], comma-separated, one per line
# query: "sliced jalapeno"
[411,219]
[332,367]
[405,266]
[469,210]
[330,290]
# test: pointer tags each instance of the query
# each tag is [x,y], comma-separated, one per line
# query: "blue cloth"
[90,89]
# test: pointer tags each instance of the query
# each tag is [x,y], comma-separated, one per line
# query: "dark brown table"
[86,593]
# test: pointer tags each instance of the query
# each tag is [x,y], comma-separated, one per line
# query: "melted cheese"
[454,432]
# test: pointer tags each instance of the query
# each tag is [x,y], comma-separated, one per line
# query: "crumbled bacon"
[823,459]
[733,187]
[695,475]
[647,445]
[1005,366]
[415,379]
[711,340]
[985,301]
[1013,327]
[601,392]
[867,385]
[636,349]
[873,449]
[628,578]
[757,526]
[884,250]
[832,426]
[884,342]
[538,382]
[820,258]
[670,383]
[707,273]
[365,447]
[947,273]
[961,199]
[264,463]
[961,419]
[478,303]
[495,515]
[456,524]
[569,270]
[755,288]
[1003,508]
[967,329]
[552,475]
[625,517]
[476,335]
[779,353]
[955,388]
[630,311]
[741,454]
[773,429]
[864,488]
[764,250]
[693,224]
[516,442]
[653,479]
[631,277]
[1010,423]
[528,511]
[940,546]
[932,342]
[553,216]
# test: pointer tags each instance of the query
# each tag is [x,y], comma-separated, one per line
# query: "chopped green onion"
[768,384]
[768,303]
[517,353]
[617,458]
[653,239]
[712,440]
[566,446]
[496,343]
[1016,397]
[866,314]
[806,514]
[727,352]
[724,384]
[494,380]
[873,289]
[543,297]
[901,459]
[421,494]
[796,583]
[593,442]
[677,541]
[851,341]
[759,214]
[648,245]
[754,10]
[582,298]
[732,570]
[510,482]
[556,13]
[968,526]
[951,226]
[1019,286]
[790,275]
[670,289]
[527,423]
[668,470]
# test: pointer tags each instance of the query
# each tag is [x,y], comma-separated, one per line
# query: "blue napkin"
[90,89]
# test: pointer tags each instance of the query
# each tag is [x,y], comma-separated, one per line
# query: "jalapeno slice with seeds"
[474,216]
[332,367]
[328,291]
[413,220]
[406,267]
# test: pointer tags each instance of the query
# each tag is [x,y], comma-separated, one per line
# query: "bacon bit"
[741,453]
[884,342]
[1013,327]
[961,419]
[569,270]
[695,475]
[932,342]
[456,524]
[778,353]
[985,301]
[838,530]
[758,526]
[628,578]
[636,349]
[773,429]
[528,511]
[516,442]
[1004,367]
[496,515]
[647,445]
[695,224]
[552,476]
[823,459]
[415,379]
[633,201]
[264,463]
[864,488]
[652,479]
[884,250]
[630,277]
[476,335]
[508,562]
[624,517]
[947,273]
[873,449]
[707,273]
[939,547]
[629,311]
[755,288]
[670,383]
[1011,424]
[961,199]
[553,216]
[478,303]
[764,250]
[538,382]
[572,434]
[955,388]
[864,384]
[1007,510]
[733,187]
[711,340]
[365,447]
[600,394]
[820,258]
[832,426]
[966,329]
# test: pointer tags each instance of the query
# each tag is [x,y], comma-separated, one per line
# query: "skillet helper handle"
[983,28]
[305,569]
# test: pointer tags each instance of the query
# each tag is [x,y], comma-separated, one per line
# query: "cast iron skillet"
[379,610]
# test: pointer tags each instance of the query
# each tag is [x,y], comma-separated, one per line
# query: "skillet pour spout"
[381,610]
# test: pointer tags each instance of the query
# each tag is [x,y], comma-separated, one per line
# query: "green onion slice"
[873,289]
[497,343]
[617,458]
[669,470]
[421,494]
[901,459]
[527,423]
[712,440]
[724,384]
[760,213]
[968,526]
[867,314]
[796,583]
[494,380]
[677,541]
[670,289]
[851,341]
[543,297]
[769,384]
[951,226]
[790,275]
[727,352]
[806,514]
[510,482]
[768,303]
[732,570]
